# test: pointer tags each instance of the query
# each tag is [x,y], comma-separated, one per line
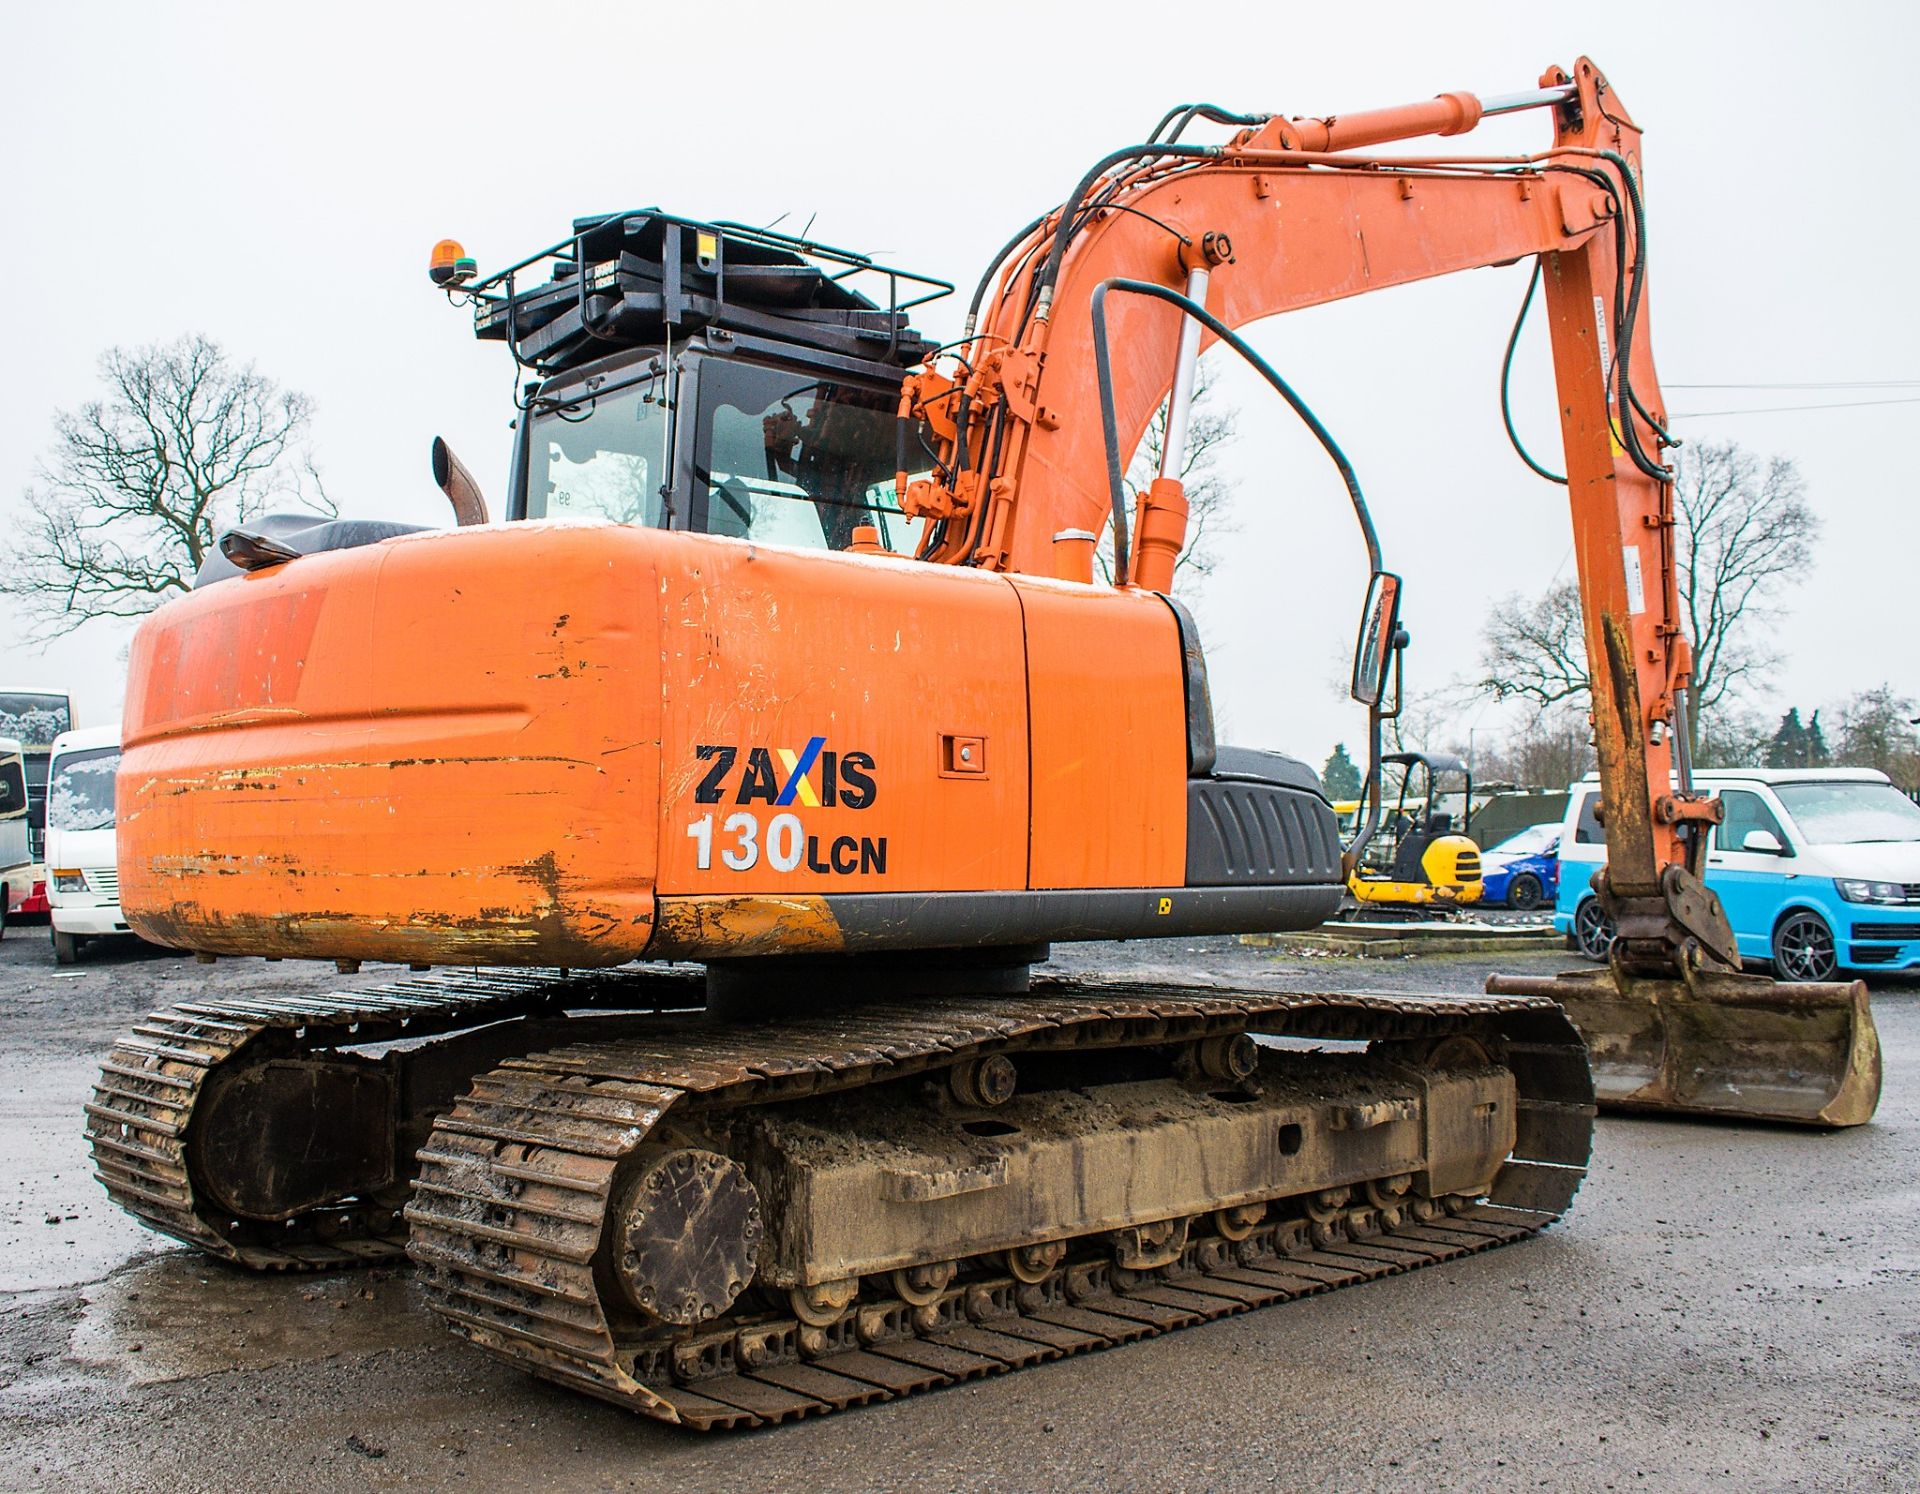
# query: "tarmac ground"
[1722,1303]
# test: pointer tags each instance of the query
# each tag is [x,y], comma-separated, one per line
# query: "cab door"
[1751,883]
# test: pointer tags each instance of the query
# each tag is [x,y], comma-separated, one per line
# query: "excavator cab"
[710,378]
[1421,861]
[780,449]
[705,378]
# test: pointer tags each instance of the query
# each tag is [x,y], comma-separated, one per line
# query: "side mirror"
[1763,841]
[1374,652]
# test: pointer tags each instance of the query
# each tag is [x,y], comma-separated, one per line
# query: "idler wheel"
[1457,1052]
[687,1235]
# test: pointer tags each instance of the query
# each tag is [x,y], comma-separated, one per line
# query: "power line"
[1844,404]
[1838,384]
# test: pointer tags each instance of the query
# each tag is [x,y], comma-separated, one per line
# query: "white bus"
[33,718]
[17,870]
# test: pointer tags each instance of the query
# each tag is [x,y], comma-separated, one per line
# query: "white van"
[1818,869]
[83,877]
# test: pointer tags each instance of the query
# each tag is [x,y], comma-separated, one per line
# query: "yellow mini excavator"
[1423,862]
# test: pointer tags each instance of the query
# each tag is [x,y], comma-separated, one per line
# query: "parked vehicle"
[1421,859]
[34,718]
[17,869]
[1523,871]
[1501,813]
[1819,869]
[83,875]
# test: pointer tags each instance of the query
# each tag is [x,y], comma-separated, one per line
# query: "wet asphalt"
[1723,1304]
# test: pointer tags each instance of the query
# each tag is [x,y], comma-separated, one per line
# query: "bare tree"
[1545,749]
[1877,731]
[1744,535]
[138,484]
[1423,718]
[1211,425]
[1731,737]
[1536,650]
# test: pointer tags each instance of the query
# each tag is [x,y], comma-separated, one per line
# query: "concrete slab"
[1383,941]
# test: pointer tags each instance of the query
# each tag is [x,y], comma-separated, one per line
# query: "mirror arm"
[1369,824]
[1400,641]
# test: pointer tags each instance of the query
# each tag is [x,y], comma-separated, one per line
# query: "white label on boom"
[1606,348]
[1636,584]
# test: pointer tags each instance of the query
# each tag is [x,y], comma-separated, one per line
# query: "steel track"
[509,1209]
[140,1120]
[507,1216]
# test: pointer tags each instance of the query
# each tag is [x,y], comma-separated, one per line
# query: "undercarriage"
[723,1221]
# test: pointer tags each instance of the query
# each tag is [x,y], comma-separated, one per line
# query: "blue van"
[1818,868]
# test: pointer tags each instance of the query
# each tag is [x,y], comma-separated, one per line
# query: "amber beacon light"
[450,264]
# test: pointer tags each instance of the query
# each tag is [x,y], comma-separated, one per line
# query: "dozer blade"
[1731,1045]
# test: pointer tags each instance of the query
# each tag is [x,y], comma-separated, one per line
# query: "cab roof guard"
[635,278]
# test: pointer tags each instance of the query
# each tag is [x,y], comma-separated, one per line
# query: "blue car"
[1523,871]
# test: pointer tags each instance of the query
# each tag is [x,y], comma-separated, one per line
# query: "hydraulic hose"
[993,268]
[1050,275]
[1109,420]
[1619,163]
[1116,490]
[1186,114]
[1506,379]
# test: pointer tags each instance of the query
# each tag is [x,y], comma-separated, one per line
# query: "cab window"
[796,458]
[1746,812]
[1588,831]
[601,458]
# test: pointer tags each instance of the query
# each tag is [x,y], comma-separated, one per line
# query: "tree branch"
[127,503]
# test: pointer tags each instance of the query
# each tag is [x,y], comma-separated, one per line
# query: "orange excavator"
[787,677]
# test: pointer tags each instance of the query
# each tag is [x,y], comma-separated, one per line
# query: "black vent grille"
[1897,931]
[1259,834]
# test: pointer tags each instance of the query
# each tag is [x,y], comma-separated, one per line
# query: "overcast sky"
[274,177]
